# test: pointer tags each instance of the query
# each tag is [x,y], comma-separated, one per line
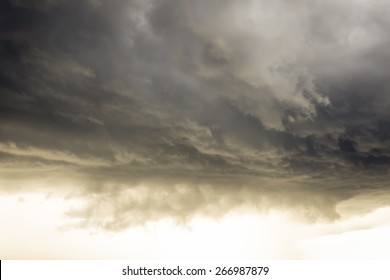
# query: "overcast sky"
[155,109]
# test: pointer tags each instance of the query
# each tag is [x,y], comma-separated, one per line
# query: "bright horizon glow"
[38,229]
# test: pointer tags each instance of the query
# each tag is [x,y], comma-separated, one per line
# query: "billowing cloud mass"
[150,109]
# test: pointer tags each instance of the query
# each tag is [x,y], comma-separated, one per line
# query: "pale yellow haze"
[34,226]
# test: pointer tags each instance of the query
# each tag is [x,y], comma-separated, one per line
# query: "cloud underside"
[150,109]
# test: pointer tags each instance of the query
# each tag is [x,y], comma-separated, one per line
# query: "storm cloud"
[171,108]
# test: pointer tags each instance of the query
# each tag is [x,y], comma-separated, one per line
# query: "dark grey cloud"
[170,108]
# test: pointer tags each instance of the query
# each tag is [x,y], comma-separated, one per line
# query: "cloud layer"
[170,108]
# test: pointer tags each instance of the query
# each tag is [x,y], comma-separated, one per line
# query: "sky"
[167,129]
